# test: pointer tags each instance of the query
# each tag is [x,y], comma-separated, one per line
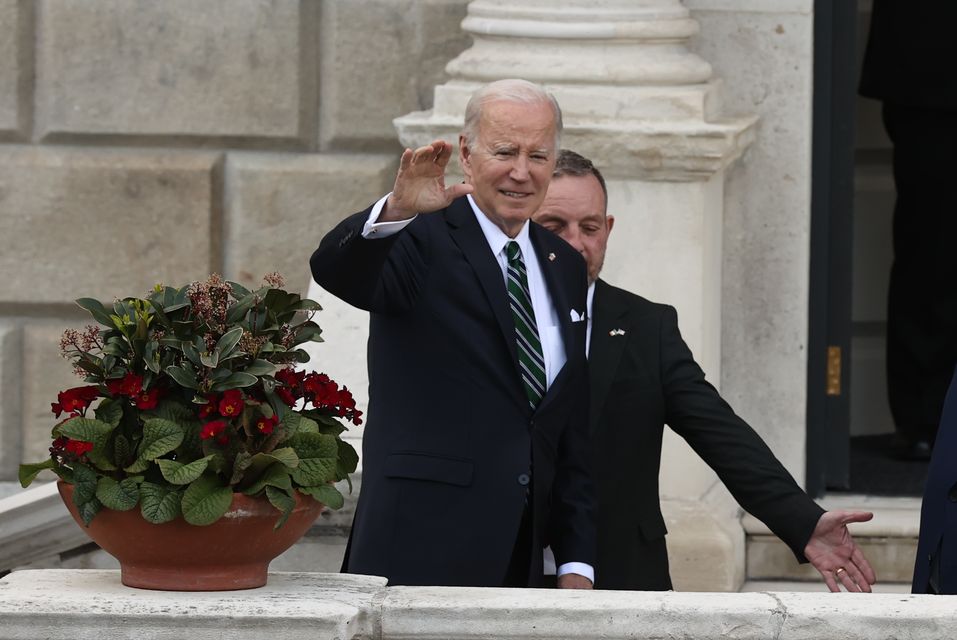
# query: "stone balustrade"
[78,605]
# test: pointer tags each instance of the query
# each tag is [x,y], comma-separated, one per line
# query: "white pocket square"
[577,317]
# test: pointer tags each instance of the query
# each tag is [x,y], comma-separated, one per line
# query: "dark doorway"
[849,431]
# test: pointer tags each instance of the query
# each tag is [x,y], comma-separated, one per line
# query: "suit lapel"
[605,349]
[468,236]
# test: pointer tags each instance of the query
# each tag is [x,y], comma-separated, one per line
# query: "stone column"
[648,112]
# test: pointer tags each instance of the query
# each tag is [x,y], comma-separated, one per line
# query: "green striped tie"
[530,359]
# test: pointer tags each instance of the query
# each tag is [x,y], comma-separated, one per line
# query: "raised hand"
[420,183]
[833,552]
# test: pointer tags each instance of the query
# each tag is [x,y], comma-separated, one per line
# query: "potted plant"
[192,418]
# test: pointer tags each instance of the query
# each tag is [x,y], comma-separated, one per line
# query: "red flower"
[231,404]
[210,406]
[267,425]
[223,439]
[69,450]
[131,385]
[286,396]
[291,381]
[148,399]
[212,429]
[74,400]
[78,447]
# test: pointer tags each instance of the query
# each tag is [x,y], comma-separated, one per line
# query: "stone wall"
[81,605]
[145,142]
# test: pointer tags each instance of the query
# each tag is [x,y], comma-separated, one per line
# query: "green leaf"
[122,451]
[260,367]
[206,500]
[283,501]
[235,381]
[182,376]
[317,458]
[119,496]
[28,472]
[305,304]
[87,430]
[238,310]
[210,358]
[306,425]
[240,464]
[276,475]
[151,356]
[159,503]
[238,290]
[229,340]
[89,509]
[348,461]
[109,411]
[286,455]
[159,438]
[96,309]
[179,473]
[326,494]
[84,492]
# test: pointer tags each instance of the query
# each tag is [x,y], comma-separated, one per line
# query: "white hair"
[509,90]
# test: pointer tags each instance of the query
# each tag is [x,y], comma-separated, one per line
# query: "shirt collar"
[495,237]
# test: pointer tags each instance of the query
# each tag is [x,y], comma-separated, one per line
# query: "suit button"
[952,496]
[523,479]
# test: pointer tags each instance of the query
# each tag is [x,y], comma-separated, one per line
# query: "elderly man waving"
[475,451]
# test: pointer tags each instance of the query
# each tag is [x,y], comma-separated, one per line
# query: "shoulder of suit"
[625,298]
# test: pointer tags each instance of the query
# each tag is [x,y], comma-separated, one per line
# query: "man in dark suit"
[643,376]
[908,66]
[935,570]
[475,449]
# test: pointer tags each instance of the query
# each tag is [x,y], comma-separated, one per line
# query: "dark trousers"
[922,300]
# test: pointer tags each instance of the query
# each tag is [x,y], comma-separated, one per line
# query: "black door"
[832,199]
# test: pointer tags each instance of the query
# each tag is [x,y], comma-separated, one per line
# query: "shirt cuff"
[372,229]
[580,568]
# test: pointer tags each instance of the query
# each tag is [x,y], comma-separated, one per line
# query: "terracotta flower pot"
[232,553]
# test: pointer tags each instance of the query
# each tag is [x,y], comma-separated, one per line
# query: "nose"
[519,170]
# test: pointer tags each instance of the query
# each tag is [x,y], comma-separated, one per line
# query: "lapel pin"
[551,257]
[616,332]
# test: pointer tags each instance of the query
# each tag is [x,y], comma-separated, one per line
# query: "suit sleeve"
[745,464]
[379,275]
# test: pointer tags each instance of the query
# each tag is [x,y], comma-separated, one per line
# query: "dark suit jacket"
[641,380]
[451,442]
[910,53]
[937,544]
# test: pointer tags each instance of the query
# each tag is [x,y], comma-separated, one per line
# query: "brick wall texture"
[145,142]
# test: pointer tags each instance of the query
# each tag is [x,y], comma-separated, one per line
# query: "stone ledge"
[93,604]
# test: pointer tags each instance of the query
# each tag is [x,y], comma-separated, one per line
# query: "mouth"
[514,194]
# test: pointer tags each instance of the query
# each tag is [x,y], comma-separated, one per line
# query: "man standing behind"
[474,453]
[643,376]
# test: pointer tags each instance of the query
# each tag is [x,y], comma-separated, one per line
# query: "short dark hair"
[570,163]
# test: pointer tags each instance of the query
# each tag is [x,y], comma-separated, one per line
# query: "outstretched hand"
[420,183]
[833,552]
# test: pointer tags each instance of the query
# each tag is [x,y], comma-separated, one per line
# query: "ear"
[610,221]
[465,157]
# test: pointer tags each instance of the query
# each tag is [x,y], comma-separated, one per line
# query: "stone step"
[889,541]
